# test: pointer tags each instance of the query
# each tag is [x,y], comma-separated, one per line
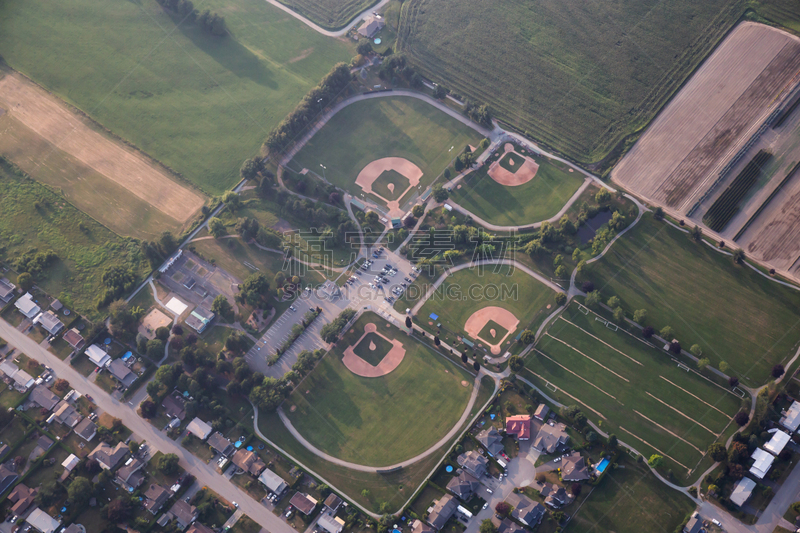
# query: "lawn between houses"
[633,390]
[344,414]
[734,313]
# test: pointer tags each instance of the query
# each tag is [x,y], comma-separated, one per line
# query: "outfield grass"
[732,312]
[330,14]
[379,421]
[534,201]
[631,500]
[198,103]
[83,254]
[384,127]
[472,289]
[630,388]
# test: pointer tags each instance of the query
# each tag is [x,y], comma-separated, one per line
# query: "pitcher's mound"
[463,384]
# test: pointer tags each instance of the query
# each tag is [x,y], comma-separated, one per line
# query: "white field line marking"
[634,435]
[668,431]
[576,375]
[693,396]
[587,357]
[602,341]
[595,411]
[684,415]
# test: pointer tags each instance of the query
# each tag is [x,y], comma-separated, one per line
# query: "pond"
[587,231]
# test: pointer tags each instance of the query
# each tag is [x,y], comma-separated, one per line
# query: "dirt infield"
[525,173]
[478,320]
[373,170]
[152,321]
[712,117]
[391,360]
[59,126]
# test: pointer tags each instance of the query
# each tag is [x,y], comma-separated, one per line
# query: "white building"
[742,491]
[27,306]
[763,462]
[199,429]
[791,418]
[97,355]
[777,443]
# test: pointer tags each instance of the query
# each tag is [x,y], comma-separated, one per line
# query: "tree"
[619,315]
[675,347]
[738,256]
[733,381]
[439,92]
[647,332]
[148,409]
[371,217]
[476,366]
[639,316]
[502,508]
[717,451]
[696,350]
[221,305]
[592,300]
[655,460]
[658,213]
[440,194]
[527,337]
[665,333]
[697,233]
[612,442]
[703,362]
[119,510]
[436,340]
[579,420]
[561,298]
[133,446]
[464,358]
[255,289]
[47,494]
[723,366]
[61,385]
[575,489]
[603,196]
[613,302]
[249,169]
[515,363]
[408,322]
[418,210]
[25,281]
[737,452]
[80,490]
[777,371]
[364,47]
[216,227]
[741,418]
[487,526]
[155,349]
[168,463]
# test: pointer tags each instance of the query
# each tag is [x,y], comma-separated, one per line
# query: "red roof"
[520,426]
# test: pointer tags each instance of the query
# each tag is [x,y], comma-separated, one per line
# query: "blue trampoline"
[107,341]
[249,448]
[448,468]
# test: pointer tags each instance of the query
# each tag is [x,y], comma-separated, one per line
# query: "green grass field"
[507,160]
[465,292]
[330,14]
[630,388]
[579,77]
[372,355]
[200,104]
[534,201]
[631,500]
[733,313]
[83,254]
[379,421]
[486,332]
[381,185]
[384,127]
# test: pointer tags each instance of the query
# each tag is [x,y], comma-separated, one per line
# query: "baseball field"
[198,103]
[379,421]
[330,14]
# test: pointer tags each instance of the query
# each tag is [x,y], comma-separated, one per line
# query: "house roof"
[777,443]
[491,440]
[44,442]
[22,497]
[74,338]
[553,495]
[27,306]
[199,528]
[694,525]
[509,526]
[371,26]
[130,472]
[763,462]
[121,372]
[541,412]
[303,502]
[248,461]
[173,406]
[7,477]
[220,443]
[418,526]
[742,491]
[71,462]
[184,512]
[442,511]
[67,414]
[75,528]
[86,429]
[8,368]
[97,355]
[791,419]
[49,321]
[550,437]
[474,462]
[6,290]
[463,485]
[199,429]
[43,397]
[525,510]
[199,318]
[273,481]
[107,456]
[332,502]
[573,468]
[43,521]
[519,426]
[330,523]
[155,496]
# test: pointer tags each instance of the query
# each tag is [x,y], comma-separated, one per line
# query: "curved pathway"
[373,469]
[319,29]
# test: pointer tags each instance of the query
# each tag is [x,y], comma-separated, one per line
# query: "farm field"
[725,101]
[732,312]
[330,14]
[384,127]
[534,201]
[634,389]
[341,413]
[84,247]
[198,103]
[579,92]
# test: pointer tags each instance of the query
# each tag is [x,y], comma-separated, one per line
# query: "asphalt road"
[205,474]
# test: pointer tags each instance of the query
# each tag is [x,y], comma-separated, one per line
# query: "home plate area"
[373,355]
[491,325]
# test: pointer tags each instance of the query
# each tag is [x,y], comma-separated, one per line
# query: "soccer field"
[631,389]
[379,421]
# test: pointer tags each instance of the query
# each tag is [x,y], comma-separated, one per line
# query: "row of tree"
[212,23]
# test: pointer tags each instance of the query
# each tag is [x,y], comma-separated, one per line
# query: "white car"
[716,522]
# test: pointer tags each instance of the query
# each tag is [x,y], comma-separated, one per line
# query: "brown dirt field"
[525,173]
[402,166]
[152,321]
[478,320]
[391,361]
[720,107]
[57,124]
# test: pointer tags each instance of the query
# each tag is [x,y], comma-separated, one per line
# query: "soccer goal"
[583,309]
[551,387]
[612,327]
[684,367]
[740,392]
[632,453]
[603,320]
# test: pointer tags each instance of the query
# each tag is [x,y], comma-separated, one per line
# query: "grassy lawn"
[46,473]
[633,390]
[218,513]
[198,103]
[9,398]
[232,254]
[61,348]
[733,313]
[83,254]
[197,447]
[341,413]
[539,199]
[82,364]
[631,500]
[13,432]
[385,127]
[330,14]
[365,350]
[245,524]
[158,476]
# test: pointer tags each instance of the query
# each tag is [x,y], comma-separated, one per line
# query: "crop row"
[727,205]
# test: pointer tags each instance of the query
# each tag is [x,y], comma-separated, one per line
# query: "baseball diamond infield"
[373,171]
[479,320]
[524,172]
[358,366]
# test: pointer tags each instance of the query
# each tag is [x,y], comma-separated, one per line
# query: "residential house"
[791,417]
[7,478]
[464,486]
[43,397]
[74,339]
[442,511]
[155,497]
[131,476]
[22,497]
[273,482]
[199,528]
[121,373]
[107,456]
[763,462]
[199,429]
[184,513]
[303,503]
[332,503]
[695,524]
[541,412]
[43,444]
[174,406]
[330,523]
[56,306]
[551,437]
[371,26]
[519,426]
[4,450]
[418,526]
[573,468]
[6,290]
[27,306]
[66,414]
[220,444]
[248,461]
[97,355]
[69,465]
[742,491]
[75,528]
[474,463]
[42,522]
[509,526]
[50,322]
[491,440]
[21,380]
[778,442]
[86,429]
[554,496]
[199,319]
[525,510]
